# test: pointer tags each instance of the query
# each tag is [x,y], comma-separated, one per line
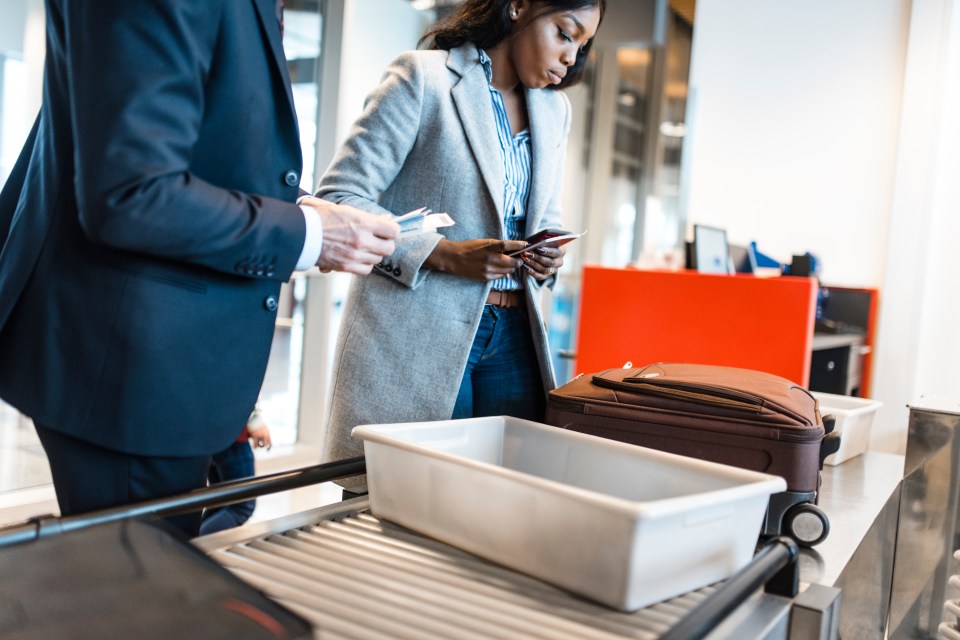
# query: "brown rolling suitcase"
[749,419]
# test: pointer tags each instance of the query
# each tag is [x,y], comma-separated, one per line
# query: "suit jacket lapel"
[267,12]
[471,95]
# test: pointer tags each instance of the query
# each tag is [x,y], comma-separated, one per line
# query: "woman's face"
[543,45]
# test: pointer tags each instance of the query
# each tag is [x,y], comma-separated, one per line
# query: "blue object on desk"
[763,260]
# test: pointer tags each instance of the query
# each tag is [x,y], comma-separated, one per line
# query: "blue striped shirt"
[515,152]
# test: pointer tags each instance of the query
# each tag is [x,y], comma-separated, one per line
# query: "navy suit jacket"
[150,223]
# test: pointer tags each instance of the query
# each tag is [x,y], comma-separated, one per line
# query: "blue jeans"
[233,463]
[502,375]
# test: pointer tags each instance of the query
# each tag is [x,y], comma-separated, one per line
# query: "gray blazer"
[427,137]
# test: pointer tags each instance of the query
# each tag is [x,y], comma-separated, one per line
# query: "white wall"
[918,345]
[374,33]
[830,127]
[793,127]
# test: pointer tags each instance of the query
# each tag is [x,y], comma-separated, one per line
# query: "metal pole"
[767,567]
[214,496]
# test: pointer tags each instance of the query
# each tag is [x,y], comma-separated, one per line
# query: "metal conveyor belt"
[354,576]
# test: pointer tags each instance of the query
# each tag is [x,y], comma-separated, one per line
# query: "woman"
[450,325]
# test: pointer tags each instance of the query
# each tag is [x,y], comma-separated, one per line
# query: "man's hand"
[260,437]
[481,259]
[353,240]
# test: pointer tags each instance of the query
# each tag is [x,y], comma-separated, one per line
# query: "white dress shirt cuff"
[313,243]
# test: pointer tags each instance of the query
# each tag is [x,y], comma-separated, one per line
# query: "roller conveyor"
[355,576]
[352,575]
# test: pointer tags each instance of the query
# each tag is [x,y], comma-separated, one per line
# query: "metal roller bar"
[487,610]
[487,580]
[214,496]
[769,565]
[357,576]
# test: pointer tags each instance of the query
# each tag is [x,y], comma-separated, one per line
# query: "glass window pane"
[280,395]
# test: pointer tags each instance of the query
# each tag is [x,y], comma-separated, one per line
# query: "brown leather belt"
[505,299]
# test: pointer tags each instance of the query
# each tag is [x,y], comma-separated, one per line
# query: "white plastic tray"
[854,418]
[623,525]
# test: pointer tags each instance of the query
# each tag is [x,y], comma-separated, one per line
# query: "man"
[148,226]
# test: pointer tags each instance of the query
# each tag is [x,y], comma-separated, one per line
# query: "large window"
[21,60]
[637,126]
[280,395]
[22,463]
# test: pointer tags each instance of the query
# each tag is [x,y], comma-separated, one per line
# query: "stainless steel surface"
[867,577]
[861,497]
[816,613]
[852,494]
[762,617]
[927,530]
[355,576]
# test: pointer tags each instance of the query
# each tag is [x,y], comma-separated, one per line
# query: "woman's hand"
[482,259]
[543,262]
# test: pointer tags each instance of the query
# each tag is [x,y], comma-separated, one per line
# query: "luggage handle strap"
[711,394]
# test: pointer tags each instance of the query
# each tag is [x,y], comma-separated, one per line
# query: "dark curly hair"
[487,22]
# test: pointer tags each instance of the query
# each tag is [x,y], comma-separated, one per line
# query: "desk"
[856,308]
[836,364]
[646,316]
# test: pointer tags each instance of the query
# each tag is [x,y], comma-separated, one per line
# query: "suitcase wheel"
[807,524]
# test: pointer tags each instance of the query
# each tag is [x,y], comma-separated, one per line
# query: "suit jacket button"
[396,272]
[292,178]
[270,304]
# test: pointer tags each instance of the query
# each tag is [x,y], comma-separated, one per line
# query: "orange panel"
[684,316]
[867,379]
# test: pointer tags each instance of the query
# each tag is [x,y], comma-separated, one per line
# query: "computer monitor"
[711,254]
[743,258]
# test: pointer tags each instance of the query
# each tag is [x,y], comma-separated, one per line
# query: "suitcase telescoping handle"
[831,440]
[216,495]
